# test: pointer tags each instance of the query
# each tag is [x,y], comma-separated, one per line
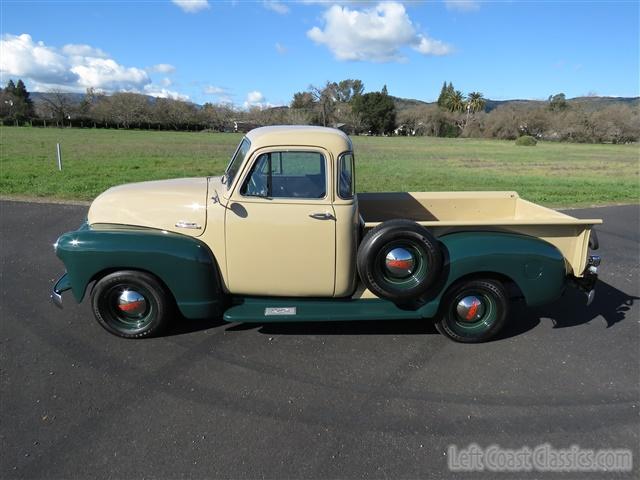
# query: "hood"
[178,205]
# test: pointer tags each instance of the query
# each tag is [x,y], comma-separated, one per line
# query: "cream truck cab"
[282,235]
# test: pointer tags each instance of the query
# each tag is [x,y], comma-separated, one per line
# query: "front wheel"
[131,304]
[473,311]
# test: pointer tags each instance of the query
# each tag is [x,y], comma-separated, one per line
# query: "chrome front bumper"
[62,285]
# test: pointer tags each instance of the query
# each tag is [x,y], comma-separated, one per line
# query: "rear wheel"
[473,311]
[131,304]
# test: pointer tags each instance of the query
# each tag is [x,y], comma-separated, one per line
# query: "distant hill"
[75,98]
[595,103]
[587,103]
[406,103]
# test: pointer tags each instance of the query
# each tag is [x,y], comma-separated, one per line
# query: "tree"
[377,111]
[450,90]
[173,113]
[329,104]
[7,103]
[558,103]
[89,101]
[347,89]
[442,98]
[325,99]
[298,116]
[456,101]
[129,109]
[475,102]
[452,99]
[16,102]
[26,110]
[303,100]
[10,88]
[217,117]
[504,123]
[58,105]
[384,90]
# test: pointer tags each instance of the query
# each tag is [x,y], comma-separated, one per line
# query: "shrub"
[526,141]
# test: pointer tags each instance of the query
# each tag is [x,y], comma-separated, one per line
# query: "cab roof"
[331,139]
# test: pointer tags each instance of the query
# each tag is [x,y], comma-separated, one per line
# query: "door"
[280,226]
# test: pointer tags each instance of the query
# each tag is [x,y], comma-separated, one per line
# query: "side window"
[257,183]
[345,176]
[287,175]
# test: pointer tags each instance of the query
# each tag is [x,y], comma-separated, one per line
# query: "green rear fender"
[535,266]
[184,264]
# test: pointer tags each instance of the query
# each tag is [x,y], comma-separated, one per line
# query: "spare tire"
[399,260]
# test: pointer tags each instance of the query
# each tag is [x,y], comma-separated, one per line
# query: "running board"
[256,309]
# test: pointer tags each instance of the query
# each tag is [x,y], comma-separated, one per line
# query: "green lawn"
[553,174]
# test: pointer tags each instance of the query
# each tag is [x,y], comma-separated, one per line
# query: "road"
[326,400]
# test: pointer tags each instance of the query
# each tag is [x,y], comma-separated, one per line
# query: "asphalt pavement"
[318,400]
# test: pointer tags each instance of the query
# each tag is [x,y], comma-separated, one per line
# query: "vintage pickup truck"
[283,236]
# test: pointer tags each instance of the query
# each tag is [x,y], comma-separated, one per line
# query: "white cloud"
[162,68]
[160,92]
[192,6]
[214,90]
[22,57]
[276,6]
[74,68]
[281,49]
[374,34]
[255,97]
[79,50]
[429,46]
[463,5]
[225,100]
[106,74]
[166,82]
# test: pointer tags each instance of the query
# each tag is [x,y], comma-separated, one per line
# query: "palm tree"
[475,102]
[455,101]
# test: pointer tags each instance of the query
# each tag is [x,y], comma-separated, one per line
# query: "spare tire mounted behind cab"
[399,260]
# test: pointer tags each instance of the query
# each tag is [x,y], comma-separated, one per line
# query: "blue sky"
[261,52]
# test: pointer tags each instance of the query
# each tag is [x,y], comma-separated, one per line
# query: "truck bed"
[446,212]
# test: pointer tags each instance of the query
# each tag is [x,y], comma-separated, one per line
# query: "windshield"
[235,163]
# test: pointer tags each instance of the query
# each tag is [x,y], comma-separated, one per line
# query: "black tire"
[423,248]
[132,318]
[483,321]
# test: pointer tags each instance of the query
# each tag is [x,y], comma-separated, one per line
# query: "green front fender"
[535,266]
[184,264]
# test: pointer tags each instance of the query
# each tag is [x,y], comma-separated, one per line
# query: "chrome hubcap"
[399,262]
[470,309]
[132,304]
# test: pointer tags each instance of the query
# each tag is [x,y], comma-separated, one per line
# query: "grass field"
[553,174]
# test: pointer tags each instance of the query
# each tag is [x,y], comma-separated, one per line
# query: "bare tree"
[129,109]
[58,105]
[325,99]
[174,113]
[218,117]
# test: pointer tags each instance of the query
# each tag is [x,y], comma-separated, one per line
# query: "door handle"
[322,216]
